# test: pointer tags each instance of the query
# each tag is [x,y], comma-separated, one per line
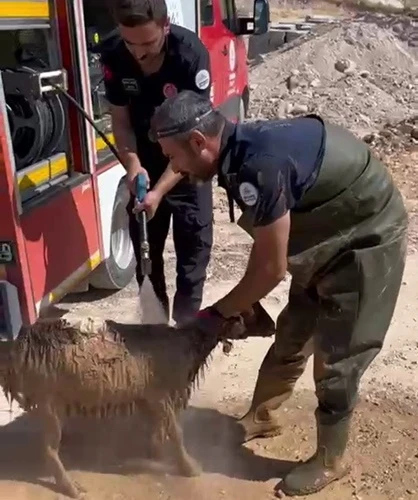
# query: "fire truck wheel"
[118,269]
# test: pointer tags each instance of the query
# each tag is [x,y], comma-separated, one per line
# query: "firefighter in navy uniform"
[319,205]
[145,62]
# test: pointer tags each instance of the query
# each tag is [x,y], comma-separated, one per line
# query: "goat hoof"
[191,468]
[72,489]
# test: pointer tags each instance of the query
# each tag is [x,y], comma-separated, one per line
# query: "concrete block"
[268,42]
[292,35]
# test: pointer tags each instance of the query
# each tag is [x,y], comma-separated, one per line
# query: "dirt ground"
[107,462]
[383,453]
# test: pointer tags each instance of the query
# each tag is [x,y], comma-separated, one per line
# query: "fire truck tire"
[118,269]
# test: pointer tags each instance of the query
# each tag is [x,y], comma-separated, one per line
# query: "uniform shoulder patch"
[248,193]
[202,79]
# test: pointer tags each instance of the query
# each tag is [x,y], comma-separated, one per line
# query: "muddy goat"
[102,370]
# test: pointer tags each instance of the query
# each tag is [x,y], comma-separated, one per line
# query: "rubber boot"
[274,386]
[259,423]
[325,466]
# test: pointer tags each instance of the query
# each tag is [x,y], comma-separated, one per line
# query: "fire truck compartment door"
[183,13]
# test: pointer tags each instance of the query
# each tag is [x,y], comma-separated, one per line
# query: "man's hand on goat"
[253,323]
[210,320]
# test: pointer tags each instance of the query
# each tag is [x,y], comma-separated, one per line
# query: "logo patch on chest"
[130,85]
[248,193]
[169,90]
[202,79]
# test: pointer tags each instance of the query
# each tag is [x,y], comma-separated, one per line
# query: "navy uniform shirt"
[185,67]
[268,166]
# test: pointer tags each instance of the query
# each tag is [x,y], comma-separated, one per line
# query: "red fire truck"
[62,196]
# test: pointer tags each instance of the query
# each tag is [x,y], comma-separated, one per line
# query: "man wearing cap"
[147,61]
[319,205]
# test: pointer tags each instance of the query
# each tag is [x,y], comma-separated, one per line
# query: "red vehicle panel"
[16,271]
[228,56]
[52,258]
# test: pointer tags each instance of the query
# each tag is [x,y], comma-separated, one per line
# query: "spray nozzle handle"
[141,187]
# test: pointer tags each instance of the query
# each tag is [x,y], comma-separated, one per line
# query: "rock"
[386,133]
[299,109]
[406,128]
[288,108]
[292,82]
[345,66]
[282,109]
[350,40]
[398,28]
[315,83]
[414,133]
[341,65]
[350,72]
[364,118]
[369,138]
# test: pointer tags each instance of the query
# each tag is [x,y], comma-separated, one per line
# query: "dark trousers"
[191,208]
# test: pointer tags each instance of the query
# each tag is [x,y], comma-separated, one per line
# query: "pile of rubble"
[405,27]
[359,74]
[394,137]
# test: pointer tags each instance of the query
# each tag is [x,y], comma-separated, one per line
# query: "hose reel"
[36,114]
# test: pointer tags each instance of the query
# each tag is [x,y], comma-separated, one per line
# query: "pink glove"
[211,321]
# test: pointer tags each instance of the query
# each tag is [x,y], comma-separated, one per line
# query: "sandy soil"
[383,453]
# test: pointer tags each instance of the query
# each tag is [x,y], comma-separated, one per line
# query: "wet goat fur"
[105,371]
[111,370]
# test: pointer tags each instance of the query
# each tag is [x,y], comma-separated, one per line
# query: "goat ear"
[254,323]
[258,322]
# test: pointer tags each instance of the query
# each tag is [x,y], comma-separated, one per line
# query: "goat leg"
[52,439]
[186,464]
[152,419]
[156,451]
